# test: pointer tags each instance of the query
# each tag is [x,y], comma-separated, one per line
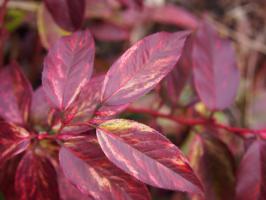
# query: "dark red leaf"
[85,165]
[68,14]
[49,31]
[147,155]
[13,141]
[132,4]
[36,178]
[7,177]
[67,68]
[216,76]
[141,67]
[214,164]
[16,93]
[4,36]
[251,183]
[177,79]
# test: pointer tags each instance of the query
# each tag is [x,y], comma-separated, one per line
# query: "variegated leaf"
[67,68]
[86,166]
[13,141]
[142,67]
[216,76]
[251,183]
[147,155]
[36,178]
[16,94]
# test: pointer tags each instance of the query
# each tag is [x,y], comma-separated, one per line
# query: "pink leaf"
[68,14]
[173,15]
[39,108]
[13,141]
[85,165]
[87,107]
[216,76]
[251,184]
[69,191]
[142,67]
[16,93]
[109,32]
[87,101]
[36,178]
[147,155]
[108,112]
[67,68]
[84,106]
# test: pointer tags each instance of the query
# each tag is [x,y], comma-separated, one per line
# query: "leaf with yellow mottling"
[147,155]
[85,165]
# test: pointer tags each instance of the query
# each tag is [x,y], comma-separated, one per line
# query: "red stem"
[54,137]
[193,122]
[46,136]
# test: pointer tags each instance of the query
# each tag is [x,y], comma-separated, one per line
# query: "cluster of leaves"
[67,139]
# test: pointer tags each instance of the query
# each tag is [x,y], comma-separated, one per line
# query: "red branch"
[45,136]
[193,122]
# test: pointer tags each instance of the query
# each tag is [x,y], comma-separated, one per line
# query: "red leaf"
[36,178]
[108,112]
[85,165]
[216,76]
[68,14]
[132,4]
[251,184]
[141,67]
[39,108]
[7,178]
[16,93]
[67,68]
[84,106]
[214,164]
[87,107]
[176,80]
[147,155]
[13,141]
[87,101]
